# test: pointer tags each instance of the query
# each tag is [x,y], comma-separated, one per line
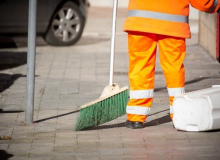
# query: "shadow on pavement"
[216,130]
[16,41]
[4,155]
[158,121]
[15,111]
[61,115]
[6,80]
[7,42]
[189,82]
[10,60]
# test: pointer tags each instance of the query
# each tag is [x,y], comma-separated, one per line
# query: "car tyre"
[66,26]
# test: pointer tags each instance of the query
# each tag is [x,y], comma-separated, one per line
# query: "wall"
[207,32]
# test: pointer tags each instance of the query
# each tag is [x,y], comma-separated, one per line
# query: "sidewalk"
[68,77]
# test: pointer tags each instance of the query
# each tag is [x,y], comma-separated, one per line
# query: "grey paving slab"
[40,156]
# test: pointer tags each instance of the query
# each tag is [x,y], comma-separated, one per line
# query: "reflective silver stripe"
[138,110]
[174,91]
[157,15]
[141,94]
[214,6]
[171,109]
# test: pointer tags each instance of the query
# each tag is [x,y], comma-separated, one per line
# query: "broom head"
[110,105]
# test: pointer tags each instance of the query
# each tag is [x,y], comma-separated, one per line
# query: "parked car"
[61,22]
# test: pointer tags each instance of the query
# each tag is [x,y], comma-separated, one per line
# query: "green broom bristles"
[103,111]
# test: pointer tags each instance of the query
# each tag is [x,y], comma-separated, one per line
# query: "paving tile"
[20,156]
[158,147]
[27,135]
[177,135]
[112,151]
[21,140]
[154,135]
[156,156]
[41,156]
[65,149]
[111,138]
[133,144]
[23,130]
[181,148]
[42,140]
[41,149]
[43,128]
[17,158]
[111,158]
[66,157]
[3,146]
[87,137]
[182,156]
[65,141]
[88,154]
[136,151]
[202,141]
[86,145]
[87,150]
[44,134]
[88,158]
[109,145]
[19,148]
[179,141]
[5,142]
[157,141]
[137,158]
[65,134]
[211,157]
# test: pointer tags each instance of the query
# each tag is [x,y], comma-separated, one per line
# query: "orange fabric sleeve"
[205,5]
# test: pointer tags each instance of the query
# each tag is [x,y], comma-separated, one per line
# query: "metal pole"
[29,110]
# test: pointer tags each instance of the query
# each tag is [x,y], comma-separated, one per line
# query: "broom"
[113,100]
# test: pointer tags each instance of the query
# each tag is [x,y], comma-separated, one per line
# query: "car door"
[14,15]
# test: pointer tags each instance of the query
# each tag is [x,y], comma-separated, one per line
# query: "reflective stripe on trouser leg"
[142,56]
[138,109]
[172,53]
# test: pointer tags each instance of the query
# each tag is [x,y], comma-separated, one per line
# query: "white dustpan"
[198,110]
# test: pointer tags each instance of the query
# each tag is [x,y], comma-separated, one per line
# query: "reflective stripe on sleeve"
[141,94]
[157,15]
[214,6]
[174,91]
[171,109]
[138,110]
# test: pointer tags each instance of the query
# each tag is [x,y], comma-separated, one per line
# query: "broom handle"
[111,77]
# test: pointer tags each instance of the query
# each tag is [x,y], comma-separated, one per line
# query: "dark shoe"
[134,125]
[128,124]
[138,125]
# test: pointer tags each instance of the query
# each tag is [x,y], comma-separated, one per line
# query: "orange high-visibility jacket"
[167,17]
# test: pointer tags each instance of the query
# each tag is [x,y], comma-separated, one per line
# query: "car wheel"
[66,26]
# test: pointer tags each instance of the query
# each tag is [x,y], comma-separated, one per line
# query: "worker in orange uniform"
[162,22]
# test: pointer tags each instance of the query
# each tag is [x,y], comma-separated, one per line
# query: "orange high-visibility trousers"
[142,55]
